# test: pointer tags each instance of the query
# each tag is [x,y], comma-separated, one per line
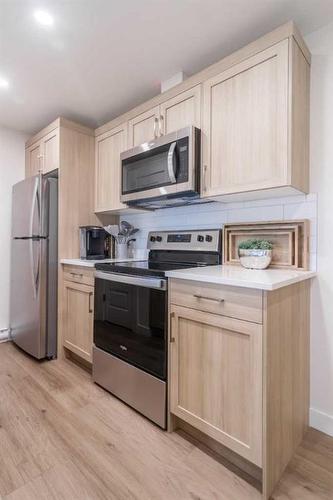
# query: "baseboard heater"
[4,334]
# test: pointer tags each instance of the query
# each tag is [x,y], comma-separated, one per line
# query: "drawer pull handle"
[208,298]
[77,274]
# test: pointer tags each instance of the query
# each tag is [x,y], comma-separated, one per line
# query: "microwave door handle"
[171,170]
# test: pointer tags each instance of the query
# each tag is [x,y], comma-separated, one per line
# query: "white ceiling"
[102,57]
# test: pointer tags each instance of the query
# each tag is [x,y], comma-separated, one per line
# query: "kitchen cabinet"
[239,378]
[108,147]
[33,160]
[78,317]
[181,111]
[253,111]
[255,124]
[43,155]
[50,151]
[173,114]
[143,128]
[216,365]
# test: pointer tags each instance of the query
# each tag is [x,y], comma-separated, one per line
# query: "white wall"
[321,45]
[11,171]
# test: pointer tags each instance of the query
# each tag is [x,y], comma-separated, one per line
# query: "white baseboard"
[321,421]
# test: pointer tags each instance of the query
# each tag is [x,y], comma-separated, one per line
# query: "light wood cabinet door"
[144,127]
[181,111]
[78,316]
[33,158]
[216,378]
[245,130]
[108,169]
[50,151]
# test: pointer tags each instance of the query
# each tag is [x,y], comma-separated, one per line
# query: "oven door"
[130,320]
[166,166]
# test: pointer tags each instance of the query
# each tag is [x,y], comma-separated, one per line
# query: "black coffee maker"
[94,243]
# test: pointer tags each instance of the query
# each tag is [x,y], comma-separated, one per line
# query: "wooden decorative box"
[290,241]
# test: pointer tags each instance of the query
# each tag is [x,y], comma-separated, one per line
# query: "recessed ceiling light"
[43,17]
[4,84]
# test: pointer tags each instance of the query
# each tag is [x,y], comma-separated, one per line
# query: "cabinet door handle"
[160,125]
[155,127]
[77,274]
[90,307]
[172,339]
[205,178]
[208,298]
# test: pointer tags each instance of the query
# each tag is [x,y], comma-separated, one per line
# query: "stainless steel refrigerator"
[34,262]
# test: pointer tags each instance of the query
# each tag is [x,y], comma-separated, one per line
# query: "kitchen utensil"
[125,228]
[112,229]
[133,231]
[121,251]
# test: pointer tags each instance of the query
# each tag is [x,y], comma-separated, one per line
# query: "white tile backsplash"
[215,214]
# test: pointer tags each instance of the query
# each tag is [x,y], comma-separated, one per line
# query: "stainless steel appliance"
[164,172]
[130,318]
[94,243]
[34,266]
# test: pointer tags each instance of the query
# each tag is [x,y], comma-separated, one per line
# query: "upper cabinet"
[143,128]
[173,114]
[33,160]
[43,154]
[108,147]
[255,124]
[253,111]
[50,151]
[181,111]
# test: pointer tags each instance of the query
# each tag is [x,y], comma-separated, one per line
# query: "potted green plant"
[255,254]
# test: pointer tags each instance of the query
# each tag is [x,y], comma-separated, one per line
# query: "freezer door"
[29,208]
[28,304]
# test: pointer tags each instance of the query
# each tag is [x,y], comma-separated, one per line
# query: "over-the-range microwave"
[164,172]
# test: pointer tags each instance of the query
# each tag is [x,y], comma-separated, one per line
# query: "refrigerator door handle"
[35,210]
[35,268]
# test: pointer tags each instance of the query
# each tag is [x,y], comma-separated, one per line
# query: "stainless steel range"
[130,317]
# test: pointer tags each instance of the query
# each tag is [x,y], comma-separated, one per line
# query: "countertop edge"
[242,283]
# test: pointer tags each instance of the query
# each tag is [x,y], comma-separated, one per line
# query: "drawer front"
[231,301]
[79,275]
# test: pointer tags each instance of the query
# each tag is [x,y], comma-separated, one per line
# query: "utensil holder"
[121,251]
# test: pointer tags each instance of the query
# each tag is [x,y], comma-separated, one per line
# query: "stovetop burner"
[172,250]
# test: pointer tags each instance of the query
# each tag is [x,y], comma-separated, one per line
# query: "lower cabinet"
[239,372]
[78,317]
[216,378]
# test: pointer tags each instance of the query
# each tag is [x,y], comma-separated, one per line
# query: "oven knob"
[200,238]
[158,238]
[209,238]
[152,239]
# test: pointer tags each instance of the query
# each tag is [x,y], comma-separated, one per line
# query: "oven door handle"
[171,170]
[156,283]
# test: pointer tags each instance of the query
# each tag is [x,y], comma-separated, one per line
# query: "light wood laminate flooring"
[63,437]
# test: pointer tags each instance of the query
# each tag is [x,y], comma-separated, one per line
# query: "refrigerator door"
[28,310]
[29,208]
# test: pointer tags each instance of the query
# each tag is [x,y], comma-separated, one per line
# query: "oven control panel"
[206,240]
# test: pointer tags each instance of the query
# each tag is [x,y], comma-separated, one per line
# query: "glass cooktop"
[144,267]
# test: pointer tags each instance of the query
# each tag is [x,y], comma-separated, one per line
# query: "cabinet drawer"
[235,302]
[79,275]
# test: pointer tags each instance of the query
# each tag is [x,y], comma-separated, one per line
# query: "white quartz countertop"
[91,263]
[268,279]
